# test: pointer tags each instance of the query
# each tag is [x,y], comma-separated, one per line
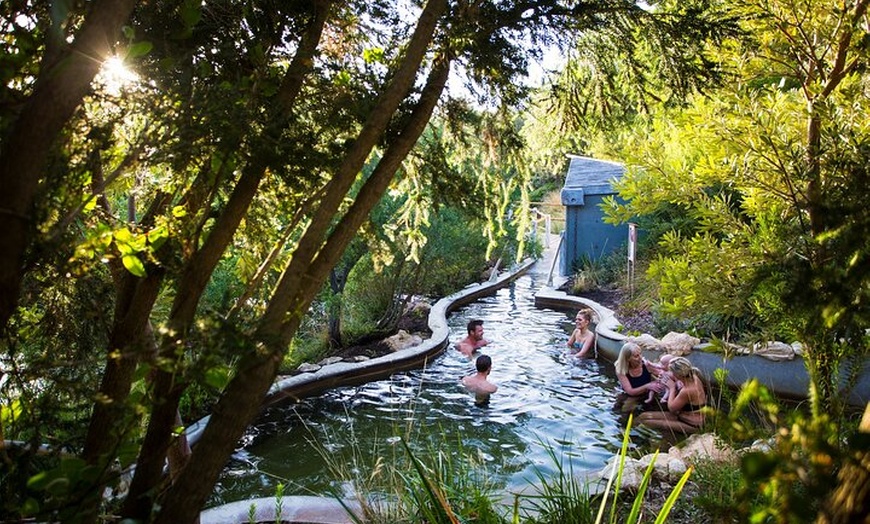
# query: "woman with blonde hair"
[582,340]
[634,375]
[685,407]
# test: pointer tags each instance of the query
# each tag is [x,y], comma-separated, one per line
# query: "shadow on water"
[545,400]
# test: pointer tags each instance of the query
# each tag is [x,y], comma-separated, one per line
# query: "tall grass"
[434,486]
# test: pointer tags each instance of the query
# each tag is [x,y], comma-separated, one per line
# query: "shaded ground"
[374,346]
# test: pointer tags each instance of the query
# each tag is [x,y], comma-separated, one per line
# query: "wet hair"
[586,313]
[483,363]
[472,325]
[621,363]
[682,368]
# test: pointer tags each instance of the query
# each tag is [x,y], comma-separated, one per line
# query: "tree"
[771,171]
[252,115]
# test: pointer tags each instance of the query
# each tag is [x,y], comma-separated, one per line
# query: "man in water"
[478,383]
[474,340]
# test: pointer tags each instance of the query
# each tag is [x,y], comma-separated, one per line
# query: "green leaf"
[30,507]
[133,265]
[139,49]
[40,480]
[217,377]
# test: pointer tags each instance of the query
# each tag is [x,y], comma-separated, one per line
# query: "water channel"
[545,401]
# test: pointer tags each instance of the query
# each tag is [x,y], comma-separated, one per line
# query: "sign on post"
[632,251]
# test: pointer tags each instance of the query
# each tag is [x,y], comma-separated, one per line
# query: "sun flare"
[115,75]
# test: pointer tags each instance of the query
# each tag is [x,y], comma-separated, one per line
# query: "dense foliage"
[165,234]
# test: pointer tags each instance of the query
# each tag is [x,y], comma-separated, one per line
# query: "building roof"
[591,175]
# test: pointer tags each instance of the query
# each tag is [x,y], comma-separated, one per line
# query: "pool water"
[546,402]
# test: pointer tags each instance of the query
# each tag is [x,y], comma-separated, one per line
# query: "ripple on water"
[547,403]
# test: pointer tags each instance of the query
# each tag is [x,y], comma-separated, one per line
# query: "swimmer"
[474,340]
[479,383]
[582,340]
[664,375]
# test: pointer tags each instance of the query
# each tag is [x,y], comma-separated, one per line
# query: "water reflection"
[545,400]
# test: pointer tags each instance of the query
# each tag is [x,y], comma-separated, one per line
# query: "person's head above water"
[584,314]
[682,368]
[629,355]
[483,363]
[475,329]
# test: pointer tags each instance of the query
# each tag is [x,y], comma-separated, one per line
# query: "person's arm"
[480,343]
[654,368]
[572,339]
[677,399]
[587,345]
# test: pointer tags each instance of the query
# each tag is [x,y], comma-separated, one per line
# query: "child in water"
[664,372]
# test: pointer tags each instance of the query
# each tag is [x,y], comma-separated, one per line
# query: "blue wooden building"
[586,234]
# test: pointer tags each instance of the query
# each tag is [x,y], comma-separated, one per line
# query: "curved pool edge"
[324,510]
[786,379]
[295,508]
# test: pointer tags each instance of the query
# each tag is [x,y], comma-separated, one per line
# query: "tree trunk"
[195,277]
[59,90]
[241,400]
[850,500]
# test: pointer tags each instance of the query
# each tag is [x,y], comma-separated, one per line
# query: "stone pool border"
[323,510]
[787,379]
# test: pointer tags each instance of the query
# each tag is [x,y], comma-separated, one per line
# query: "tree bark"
[196,274]
[241,400]
[59,90]
[850,500]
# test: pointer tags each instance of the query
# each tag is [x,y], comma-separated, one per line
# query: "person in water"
[582,340]
[479,383]
[685,405]
[474,340]
[634,375]
[664,373]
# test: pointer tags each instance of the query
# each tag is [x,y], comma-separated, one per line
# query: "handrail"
[548,219]
[555,258]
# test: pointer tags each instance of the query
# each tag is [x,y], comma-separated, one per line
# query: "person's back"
[479,383]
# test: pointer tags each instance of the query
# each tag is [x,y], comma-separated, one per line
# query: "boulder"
[646,341]
[632,473]
[308,367]
[703,446]
[403,340]
[679,344]
[775,351]
[329,360]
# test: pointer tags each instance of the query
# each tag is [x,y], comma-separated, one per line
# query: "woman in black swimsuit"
[685,407]
[634,375]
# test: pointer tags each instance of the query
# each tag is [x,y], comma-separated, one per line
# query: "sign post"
[632,251]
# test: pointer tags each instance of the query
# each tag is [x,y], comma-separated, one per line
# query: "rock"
[666,467]
[358,358]
[703,446]
[329,361]
[798,348]
[403,340]
[632,473]
[646,341]
[776,351]
[307,367]
[679,344]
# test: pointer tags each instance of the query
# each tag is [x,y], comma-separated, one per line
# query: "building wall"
[586,234]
